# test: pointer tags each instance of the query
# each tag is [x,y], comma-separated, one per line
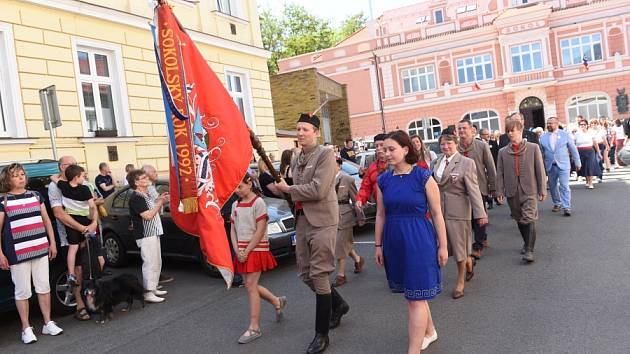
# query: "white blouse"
[583,139]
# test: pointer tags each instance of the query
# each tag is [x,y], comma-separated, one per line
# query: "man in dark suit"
[528,136]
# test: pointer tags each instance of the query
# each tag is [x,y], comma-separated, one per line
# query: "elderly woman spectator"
[461,198]
[144,211]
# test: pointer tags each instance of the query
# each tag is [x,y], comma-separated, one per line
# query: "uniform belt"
[343,202]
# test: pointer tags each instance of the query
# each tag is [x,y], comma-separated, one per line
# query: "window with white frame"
[3,122]
[466,8]
[11,115]
[473,69]
[484,119]
[98,88]
[422,19]
[428,129]
[588,106]
[519,2]
[229,7]
[238,89]
[526,57]
[439,16]
[576,49]
[418,79]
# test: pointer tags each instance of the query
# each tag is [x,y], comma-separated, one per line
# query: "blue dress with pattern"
[409,241]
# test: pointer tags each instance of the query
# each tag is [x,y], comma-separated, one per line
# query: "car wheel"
[62,299]
[207,267]
[115,253]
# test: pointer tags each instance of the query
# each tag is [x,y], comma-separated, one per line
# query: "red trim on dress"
[246,205]
[263,216]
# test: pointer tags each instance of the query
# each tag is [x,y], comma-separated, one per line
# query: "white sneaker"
[28,336]
[428,340]
[152,298]
[160,292]
[51,328]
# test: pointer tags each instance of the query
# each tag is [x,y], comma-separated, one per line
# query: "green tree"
[350,25]
[297,32]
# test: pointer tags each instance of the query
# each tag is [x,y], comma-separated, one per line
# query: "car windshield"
[350,168]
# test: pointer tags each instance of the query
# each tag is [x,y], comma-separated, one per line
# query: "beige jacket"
[313,186]
[459,191]
[346,192]
[532,170]
[484,163]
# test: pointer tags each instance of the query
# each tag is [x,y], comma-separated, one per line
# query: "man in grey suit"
[521,179]
[317,216]
[558,148]
[478,151]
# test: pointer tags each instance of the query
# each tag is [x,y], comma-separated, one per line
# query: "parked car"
[62,300]
[365,159]
[120,243]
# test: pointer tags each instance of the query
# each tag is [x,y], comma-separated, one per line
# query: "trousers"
[523,207]
[559,186]
[479,231]
[151,253]
[315,254]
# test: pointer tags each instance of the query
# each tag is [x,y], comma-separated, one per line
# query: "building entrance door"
[533,111]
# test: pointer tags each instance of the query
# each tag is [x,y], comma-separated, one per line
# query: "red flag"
[209,140]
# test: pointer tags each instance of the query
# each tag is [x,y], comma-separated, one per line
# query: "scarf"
[518,151]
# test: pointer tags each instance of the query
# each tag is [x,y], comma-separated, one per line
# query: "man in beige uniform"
[521,178]
[480,152]
[317,216]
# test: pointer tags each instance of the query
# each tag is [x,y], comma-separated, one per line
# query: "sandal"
[279,314]
[249,336]
[82,314]
[470,274]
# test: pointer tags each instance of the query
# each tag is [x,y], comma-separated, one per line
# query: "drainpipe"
[380,97]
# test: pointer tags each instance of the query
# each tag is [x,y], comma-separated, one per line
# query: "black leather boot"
[531,240]
[323,309]
[339,308]
[524,232]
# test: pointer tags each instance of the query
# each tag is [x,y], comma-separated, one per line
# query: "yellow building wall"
[44,57]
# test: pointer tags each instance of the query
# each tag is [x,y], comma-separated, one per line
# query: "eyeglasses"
[582,124]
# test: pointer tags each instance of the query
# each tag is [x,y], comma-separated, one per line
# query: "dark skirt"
[590,165]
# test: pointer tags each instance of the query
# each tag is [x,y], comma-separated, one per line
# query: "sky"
[338,10]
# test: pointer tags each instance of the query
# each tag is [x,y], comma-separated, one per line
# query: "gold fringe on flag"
[188,205]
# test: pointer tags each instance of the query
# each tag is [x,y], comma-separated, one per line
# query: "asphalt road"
[573,299]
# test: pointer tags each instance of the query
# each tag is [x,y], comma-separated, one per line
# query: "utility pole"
[371,12]
[378,88]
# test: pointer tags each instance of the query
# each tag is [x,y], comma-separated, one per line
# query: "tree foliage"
[296,32]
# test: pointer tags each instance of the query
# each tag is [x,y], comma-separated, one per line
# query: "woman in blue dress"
[405,239]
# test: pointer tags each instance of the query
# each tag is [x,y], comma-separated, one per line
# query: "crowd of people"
[429,207]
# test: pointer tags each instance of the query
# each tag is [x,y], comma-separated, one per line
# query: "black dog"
[107,293]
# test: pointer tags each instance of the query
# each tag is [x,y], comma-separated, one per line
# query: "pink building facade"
[423,67]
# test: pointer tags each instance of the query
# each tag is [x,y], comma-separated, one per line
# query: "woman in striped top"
[28,243]
[250,242]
